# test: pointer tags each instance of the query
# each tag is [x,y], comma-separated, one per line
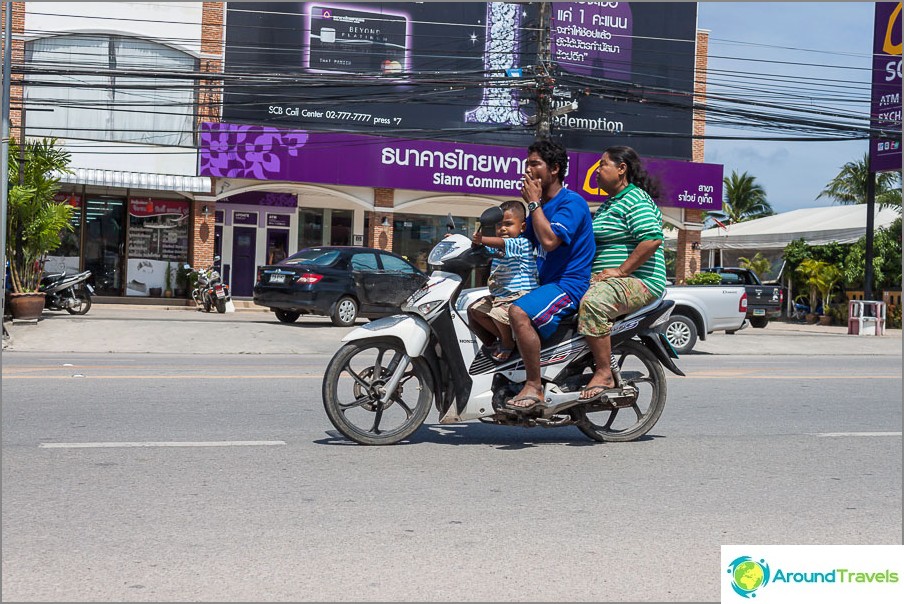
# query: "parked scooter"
[210,291]
[68,292]
[378,388]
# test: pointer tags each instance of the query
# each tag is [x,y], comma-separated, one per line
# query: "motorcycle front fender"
[411,330]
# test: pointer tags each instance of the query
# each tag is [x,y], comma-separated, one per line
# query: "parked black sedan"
[342,283]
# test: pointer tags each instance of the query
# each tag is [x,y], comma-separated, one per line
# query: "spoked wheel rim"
[346,311]
[354,386]
[640,369]
[678,334]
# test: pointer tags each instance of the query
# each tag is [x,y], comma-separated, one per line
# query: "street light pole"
[4,134]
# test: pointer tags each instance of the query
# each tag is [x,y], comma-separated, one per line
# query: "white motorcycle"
[379,386]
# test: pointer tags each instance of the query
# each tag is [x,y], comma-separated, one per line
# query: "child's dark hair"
[636,173]
[515,207]
[553,154]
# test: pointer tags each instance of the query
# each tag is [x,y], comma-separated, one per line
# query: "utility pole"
[870,228]
[4,155]
[545,80]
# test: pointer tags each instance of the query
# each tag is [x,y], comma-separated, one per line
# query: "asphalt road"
[262,501]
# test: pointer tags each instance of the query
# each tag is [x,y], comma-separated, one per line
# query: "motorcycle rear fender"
[653,341]
[412,331]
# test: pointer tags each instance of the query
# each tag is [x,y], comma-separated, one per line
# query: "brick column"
[380,236]
[200,253]
[210,93]
[687,261]
[17,59]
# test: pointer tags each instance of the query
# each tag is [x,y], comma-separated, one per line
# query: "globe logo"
[748,575]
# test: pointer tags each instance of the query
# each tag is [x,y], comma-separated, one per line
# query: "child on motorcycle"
[511,276]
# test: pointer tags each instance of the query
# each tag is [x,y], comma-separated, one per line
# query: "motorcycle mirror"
[450,223]
[490,216]
[186,267]
[216,258]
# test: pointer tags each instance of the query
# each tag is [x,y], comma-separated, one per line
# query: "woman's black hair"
[552,154]
[636,173]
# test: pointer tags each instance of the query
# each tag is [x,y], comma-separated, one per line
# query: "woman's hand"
[609,273]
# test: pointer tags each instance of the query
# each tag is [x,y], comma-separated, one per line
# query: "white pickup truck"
[702,309]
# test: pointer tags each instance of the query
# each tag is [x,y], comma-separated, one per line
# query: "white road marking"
[833,434]
[224,443]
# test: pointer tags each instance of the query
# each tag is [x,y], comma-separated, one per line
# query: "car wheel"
[759,322]
[681,333]
[344,312]
[287,316]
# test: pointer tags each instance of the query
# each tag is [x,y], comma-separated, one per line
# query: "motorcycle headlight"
[428,307]
[441,249]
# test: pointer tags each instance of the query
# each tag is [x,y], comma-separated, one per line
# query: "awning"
[137,180]
[817,226]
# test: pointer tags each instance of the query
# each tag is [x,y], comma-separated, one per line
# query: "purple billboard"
[885,111]
[268,153]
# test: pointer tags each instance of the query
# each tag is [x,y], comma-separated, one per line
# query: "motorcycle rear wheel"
[354,376]
[640,368]
[84,304]
[221,306]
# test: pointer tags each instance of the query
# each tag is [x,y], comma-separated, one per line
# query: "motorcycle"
[71,293]
[379,386]
[210,291]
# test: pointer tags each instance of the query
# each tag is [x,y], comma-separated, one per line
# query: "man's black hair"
[514,206]
[553,154]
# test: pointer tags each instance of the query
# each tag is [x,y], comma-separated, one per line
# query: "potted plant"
[184,281]
[168,281]
[822,277]
[33,220]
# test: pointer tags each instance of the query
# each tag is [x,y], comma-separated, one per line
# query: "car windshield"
[312,256]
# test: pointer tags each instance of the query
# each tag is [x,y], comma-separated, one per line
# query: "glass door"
[104,243]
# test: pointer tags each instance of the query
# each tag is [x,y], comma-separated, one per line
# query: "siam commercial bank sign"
[268,153]
[885,110]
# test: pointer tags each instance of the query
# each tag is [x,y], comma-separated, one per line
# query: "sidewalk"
[175,329]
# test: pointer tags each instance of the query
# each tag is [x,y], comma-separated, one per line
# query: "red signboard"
[142,207]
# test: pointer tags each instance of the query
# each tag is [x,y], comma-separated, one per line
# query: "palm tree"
[744,199]
[849,187]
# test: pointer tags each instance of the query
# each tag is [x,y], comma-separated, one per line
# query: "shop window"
[414,235]
[310,228]
[341,227]
[67,256]
[158,242]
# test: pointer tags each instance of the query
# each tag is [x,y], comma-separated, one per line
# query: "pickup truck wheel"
[681,333]
[759,322]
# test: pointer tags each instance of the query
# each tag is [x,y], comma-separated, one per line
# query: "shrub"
[704,279]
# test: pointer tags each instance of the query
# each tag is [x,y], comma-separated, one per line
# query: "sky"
[792,173]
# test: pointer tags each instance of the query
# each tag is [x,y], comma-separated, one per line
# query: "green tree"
[821,277]
[849,186]
[759,264]
[743,199]
[886,259]
[34,220]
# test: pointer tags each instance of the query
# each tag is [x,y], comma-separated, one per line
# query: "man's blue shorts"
[547,306]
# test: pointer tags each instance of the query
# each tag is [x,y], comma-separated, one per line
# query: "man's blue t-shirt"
[569,264]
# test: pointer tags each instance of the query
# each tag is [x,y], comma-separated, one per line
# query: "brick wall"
[380,236]
[18,59]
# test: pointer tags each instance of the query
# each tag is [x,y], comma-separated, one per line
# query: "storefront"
[133,243]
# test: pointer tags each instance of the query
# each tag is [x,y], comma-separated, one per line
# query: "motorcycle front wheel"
[641,369]
[82,304]
[352,385]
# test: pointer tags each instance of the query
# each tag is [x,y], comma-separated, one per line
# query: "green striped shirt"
[619,225]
